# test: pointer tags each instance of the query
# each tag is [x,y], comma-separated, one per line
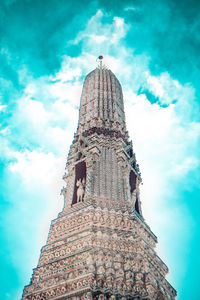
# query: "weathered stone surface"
[99,246]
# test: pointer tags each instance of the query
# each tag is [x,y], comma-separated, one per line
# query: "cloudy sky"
[46,49]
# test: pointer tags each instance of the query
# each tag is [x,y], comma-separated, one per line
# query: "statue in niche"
[80,189]
[133,198]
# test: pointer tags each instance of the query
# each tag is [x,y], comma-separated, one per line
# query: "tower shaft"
[99,246]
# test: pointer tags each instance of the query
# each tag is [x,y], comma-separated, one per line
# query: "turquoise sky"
[46,49]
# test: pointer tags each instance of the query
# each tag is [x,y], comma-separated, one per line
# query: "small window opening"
[130,152]
[81,143]
[132,181]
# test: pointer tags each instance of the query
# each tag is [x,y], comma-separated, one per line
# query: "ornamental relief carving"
[108,242]
[98,218]
[61,290]
[65,250]
[128,268]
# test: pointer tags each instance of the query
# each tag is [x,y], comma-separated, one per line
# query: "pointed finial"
[100,58]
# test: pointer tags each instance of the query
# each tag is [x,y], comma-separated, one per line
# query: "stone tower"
[99,246]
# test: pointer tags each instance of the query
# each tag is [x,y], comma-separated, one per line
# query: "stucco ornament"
[80,189]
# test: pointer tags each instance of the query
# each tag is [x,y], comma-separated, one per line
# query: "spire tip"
[100,58]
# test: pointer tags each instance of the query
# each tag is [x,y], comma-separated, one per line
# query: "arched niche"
[79,182]
[133,182]
[79,156]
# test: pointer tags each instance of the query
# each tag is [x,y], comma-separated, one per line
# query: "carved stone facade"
[99,246]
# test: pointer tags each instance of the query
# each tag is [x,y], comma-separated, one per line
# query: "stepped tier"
[99,249]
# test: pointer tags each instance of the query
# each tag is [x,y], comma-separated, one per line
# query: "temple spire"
[102,104]
[100,58]
[99,246]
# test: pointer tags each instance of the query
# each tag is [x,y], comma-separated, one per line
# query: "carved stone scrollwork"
[65,176]
[64,193]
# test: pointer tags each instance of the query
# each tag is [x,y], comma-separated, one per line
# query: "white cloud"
[4,131]
[155,86]
[157,132]
[2,107]
[66,91]
[97,38]
[36,167]
[189,163]
[98,33]
[48,110]
[34,112]
[165,139]
[47,122]
[166,150]
[130,8]
[67,73]
[168,89]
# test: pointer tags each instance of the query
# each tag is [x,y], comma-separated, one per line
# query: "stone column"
[89,177]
